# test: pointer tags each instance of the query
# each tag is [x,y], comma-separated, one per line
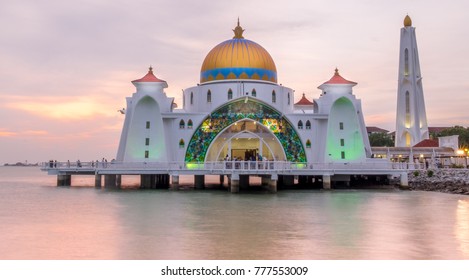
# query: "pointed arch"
[189,124]
[300,124]
[252,109]
[406,62]
[192,98]
[182,124]
[274,96]
[308,143]
[181,143]
[209,96]
[230,94]
[308,124]
[253,93]
[288,98]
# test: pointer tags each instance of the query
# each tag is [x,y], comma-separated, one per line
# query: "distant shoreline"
[21,164]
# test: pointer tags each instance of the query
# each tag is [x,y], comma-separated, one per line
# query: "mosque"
[238,122]
[239,111]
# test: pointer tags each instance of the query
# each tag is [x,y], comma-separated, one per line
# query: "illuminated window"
[181,143]
[308,124]
[300,124]
[342,142]
[209,96]
[147,125]
[308,144]
[230,94]
[253,93]
[182,124]
[192,98]
[274,96]
[342,155]
[189,123]
[341,126]
[147,154]
[147,141]
[407,108]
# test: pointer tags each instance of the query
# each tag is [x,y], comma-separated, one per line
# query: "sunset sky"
[66,66]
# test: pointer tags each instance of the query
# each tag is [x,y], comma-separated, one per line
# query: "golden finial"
[407,21]
[238,31]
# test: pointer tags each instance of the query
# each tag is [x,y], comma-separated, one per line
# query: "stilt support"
[234,188]
[404,184]
[64,180]
[326,182]
[98,181]
[199,181]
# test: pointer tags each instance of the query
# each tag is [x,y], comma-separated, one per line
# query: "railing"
[370,164]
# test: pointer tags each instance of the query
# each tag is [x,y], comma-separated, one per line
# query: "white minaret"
[411,119]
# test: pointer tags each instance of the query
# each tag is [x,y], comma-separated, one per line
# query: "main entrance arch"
[233,114]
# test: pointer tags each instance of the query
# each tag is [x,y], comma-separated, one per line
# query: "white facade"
[411,119]
[239,111]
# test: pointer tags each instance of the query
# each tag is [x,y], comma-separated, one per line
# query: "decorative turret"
[337,84]
[149,82]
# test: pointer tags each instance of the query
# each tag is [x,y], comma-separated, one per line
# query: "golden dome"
[407,21]
[238,58]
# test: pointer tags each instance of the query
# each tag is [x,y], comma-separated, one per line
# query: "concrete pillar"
[243,181]
[118,180]
[272,186]
[288,180]
[145,181]
[97,181]
[404,181]
[64,180]
[109,181]
[199,181]
[302,181]
[222,179]
[234,188]
[265,180]
[326,182]
[175,181]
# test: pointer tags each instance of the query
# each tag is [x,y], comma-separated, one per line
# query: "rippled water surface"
[41,221]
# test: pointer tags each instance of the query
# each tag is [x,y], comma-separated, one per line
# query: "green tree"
[457,130]
[380,139]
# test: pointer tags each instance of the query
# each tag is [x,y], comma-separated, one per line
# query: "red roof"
[427,143]
[337,79]
[149,77]
[304,101]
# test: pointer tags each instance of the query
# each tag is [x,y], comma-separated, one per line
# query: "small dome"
[407,21]
[238,58]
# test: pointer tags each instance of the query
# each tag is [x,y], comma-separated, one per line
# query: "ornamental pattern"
[235,111]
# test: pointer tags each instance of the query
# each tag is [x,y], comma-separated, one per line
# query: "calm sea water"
[41,221]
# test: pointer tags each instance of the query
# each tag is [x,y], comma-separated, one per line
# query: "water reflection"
[462,227]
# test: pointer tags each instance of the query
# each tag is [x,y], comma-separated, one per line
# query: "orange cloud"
[69,109]
[7,133]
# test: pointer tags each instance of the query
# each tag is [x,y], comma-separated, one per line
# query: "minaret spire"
[411,118]
[238,31]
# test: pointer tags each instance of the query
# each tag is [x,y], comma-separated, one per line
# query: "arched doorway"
[269,121]
[246,140]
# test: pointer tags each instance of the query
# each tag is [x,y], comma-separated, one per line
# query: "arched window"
[209,96]
[308,143]
[288,98]
[192,98]
[253,92]
[181,143]
[189,123]
[230,94]
[406,62]
[407,108]
[182,124]
[274,97]
[300,124]
[308,124]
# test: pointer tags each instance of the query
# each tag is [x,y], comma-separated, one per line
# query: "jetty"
[273,174]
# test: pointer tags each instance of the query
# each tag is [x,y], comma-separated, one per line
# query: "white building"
[238,110]
[411,119]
